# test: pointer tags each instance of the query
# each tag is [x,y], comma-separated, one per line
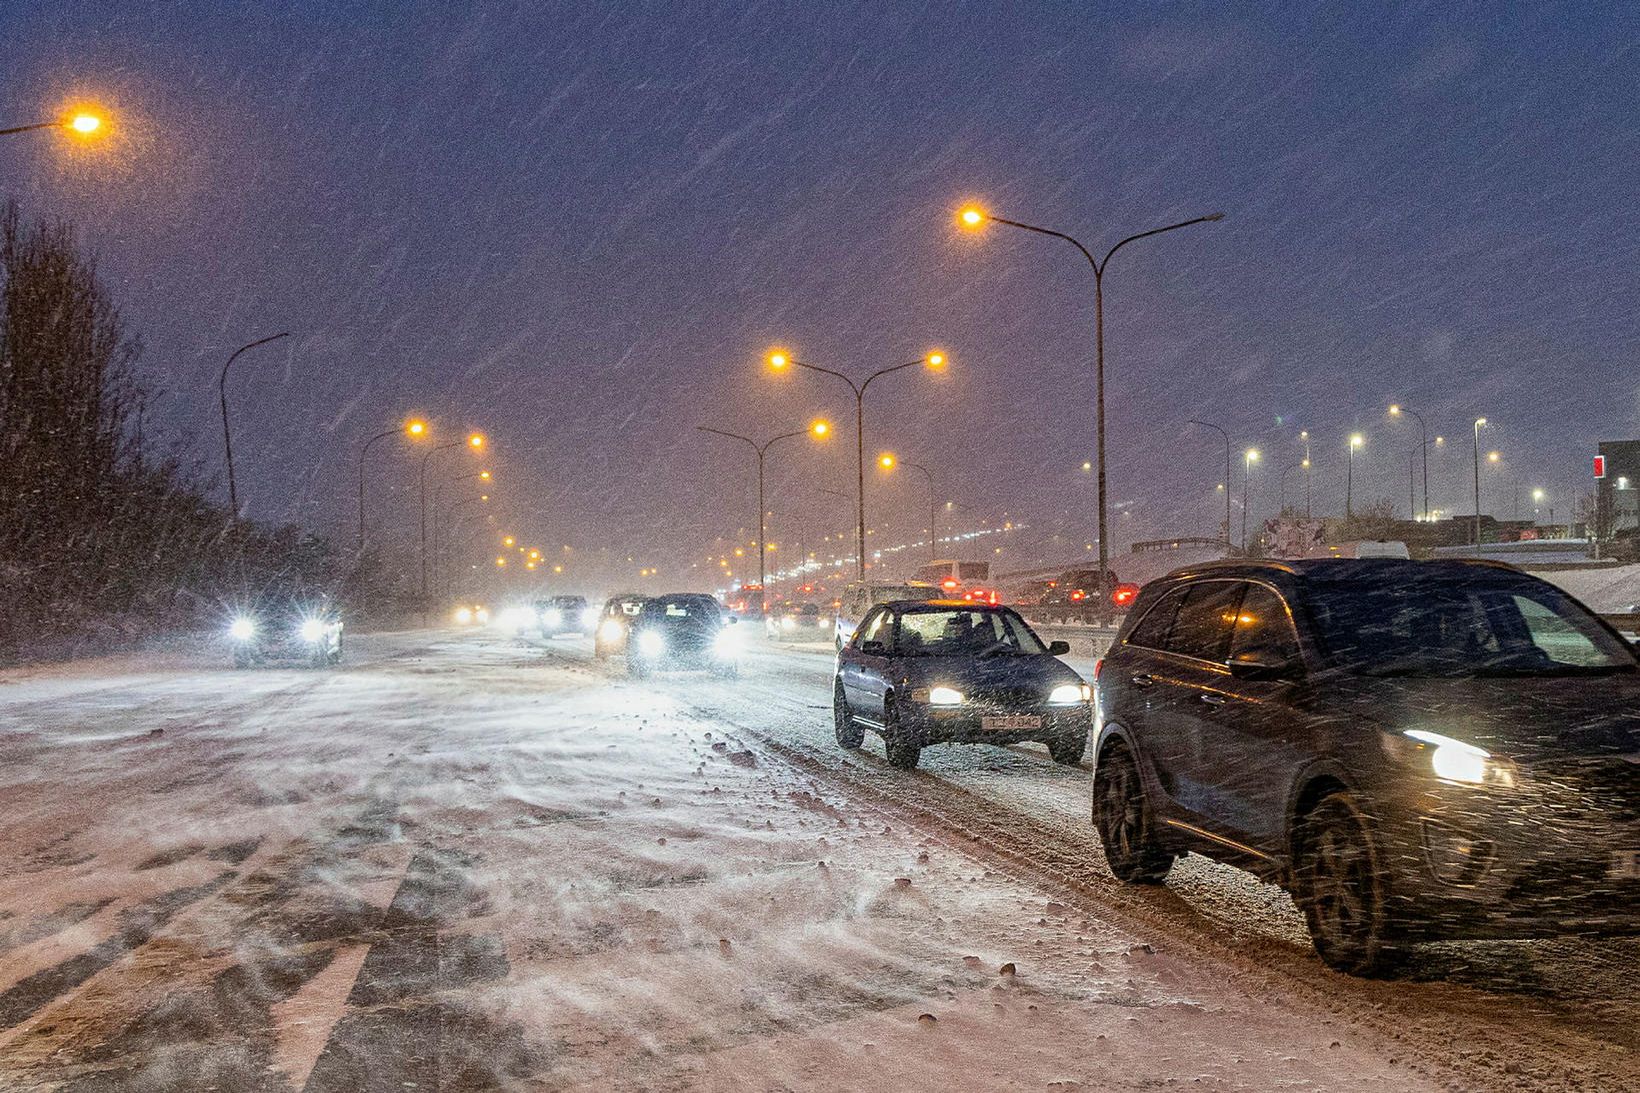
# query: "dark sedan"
[948,671]
[683,630]
[1416,750]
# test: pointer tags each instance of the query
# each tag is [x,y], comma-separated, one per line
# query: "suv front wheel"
[1339,884]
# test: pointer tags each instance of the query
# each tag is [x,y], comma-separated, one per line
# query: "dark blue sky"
[578,229]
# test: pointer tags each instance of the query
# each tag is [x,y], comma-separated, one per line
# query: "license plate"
[1625,864]
[1012,722]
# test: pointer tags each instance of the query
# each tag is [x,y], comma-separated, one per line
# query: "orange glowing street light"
[508,540]
[475,441]
[83,122]
[935,360]
[413,429]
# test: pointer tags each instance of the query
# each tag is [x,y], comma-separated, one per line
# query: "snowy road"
[461,863]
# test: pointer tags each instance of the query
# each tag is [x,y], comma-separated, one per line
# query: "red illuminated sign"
[1600,466]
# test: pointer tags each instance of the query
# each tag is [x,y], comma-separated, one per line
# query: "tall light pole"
[1304,435]
[1289,469]
[441,536]
[1356,440]
[974,218]
[227,436]
[439,511]
[1248,458]
[475,441]
[415,429]
[1423,429]
[779,360]
[819,429]
[1479,423]
[888,461]
[1226,436]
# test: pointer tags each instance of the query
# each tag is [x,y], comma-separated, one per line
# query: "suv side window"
[1264,631]
[1152,630]
[1202,629]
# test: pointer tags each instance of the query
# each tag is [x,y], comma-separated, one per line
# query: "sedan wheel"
[903,751]
[1339,884]
[849,734]
[1121,811]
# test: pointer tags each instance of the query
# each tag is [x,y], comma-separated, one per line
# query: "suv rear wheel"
[1339,884]
[1121,811]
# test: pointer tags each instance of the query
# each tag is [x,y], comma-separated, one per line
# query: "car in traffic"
[1415,750]
[470,614]
[797,622]
[564,615]
[1078,596]
[919,673]
[615,623]
[299,629]
[683,631]
[859,597]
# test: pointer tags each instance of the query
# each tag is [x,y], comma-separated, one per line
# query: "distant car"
[683,630]
[564,615]
[615,622]
[920,673]
[1076,597]
[746,602]
[470,614]
[954,578]
[797,622]
[303,630]
[1415,750]
[860,597]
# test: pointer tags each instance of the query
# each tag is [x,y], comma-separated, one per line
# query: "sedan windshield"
[1462,628]
[957,632]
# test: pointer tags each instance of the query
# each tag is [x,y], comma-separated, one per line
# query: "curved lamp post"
[227,436]
[415,429]
[1226,436]
[888,461]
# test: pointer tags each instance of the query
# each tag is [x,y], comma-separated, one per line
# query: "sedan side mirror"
[1265,668]
[1059,648]
[873,648]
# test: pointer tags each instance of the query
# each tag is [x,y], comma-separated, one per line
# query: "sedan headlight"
[1456,761]
[242,629]
[944,696]
[611,630]
[552,617]
[311,630]
[651,644]
[1069,694]
[464,615]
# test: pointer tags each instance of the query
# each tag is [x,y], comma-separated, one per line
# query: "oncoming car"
[614,623]
[467,614]
[919,673]
[1415,750]
[310,633]
[683,630]
[564,615]
[796,622]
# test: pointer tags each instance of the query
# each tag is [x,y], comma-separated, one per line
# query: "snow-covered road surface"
[464,863]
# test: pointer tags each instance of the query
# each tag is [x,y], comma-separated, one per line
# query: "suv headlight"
[1456,761]
[242,629]
[1069,694]
[651,644]
[611,630]
[311,630]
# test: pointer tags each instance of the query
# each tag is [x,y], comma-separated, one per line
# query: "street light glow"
[886,461]
[779,360]
[485,475]
[1252,455]
[415,427]
[476,441]
[1494,457]
[935,361]
[500,561]
[971,217]
[1356,440]
[1537,495]
[508,541]
[820,427]
[84,123]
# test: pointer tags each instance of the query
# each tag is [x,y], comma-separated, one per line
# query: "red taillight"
[1098,664]
[1078,595]
[1124,594]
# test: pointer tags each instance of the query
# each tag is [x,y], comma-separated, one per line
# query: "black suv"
[1415,750]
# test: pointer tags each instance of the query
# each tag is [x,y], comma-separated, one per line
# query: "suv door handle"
[1142,681]
[1212,699]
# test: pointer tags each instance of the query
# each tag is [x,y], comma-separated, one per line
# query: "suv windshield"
[1475,627]
[956,632]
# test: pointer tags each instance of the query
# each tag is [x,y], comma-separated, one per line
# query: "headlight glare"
[651,644]
[464,615]
[944,696]
[311,630]
[552,617]
[1068,694]
[1455,761]
[242,629]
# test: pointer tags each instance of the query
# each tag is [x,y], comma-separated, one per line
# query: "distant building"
[1617,495]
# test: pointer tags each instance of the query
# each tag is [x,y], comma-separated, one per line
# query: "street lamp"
[414,429]
[780,360]
[1226,436]
[474,441]
[973,218]
[1289,469]
[227,437]
[84,123]
[1304,435]
[1248,458]
[1480,422]
[440,515]
[1356,441]
[888,461]
[1397,411]
[819,429]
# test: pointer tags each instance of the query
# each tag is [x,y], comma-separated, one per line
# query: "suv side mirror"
[873,648]
[1266,668]
[1058,648]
